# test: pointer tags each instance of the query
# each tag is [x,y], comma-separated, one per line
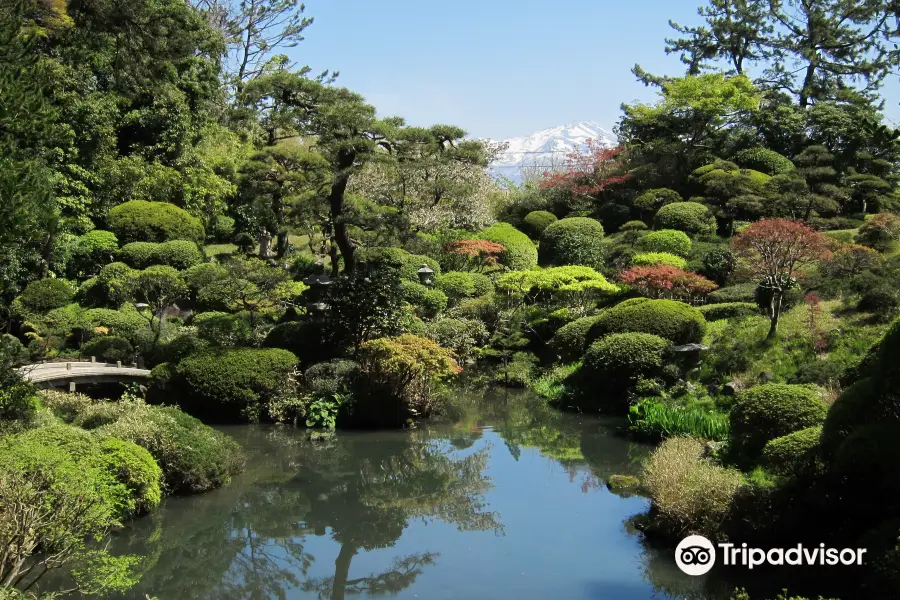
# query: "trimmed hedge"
[521,253]
[570,340]
[764,160]
[109,348]
[143,221]
[650,259]
[44,295]
[670,241]
[135,468]
[766,412]
[692,218]
[234,383]
[180,254]
[304,339]
[744,293]
[123,323]
[653,200]
[793,454]
[669,319]
[728,310]
[618,360]
[93,250]
[572,241]
[537,221]
[457,285]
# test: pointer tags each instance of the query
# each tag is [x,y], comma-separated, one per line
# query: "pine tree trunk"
[342,571]
[775,313]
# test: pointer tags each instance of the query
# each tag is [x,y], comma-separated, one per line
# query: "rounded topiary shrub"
[409,264]
[223,229]
[570,341]
[770,411]
[93,250]
[652,200]
[857,405]
[109,348]
[194,457]
[44,295]
[793,454]
[136,469]
[233,383]
[537,221]
[180,254]
[124,323]
[764,160]
[462,336]
[728,310]
[305,339]
[669,319]
[483,284]
[667,240]
[742,292]
[521,253]
[143,221]
[868,460]
[618,360]
[649,259]
[692,218]
[572,241]
[457,285]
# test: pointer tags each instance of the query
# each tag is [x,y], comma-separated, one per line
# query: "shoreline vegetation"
[726,278]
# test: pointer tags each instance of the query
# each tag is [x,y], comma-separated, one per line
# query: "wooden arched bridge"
[69,374]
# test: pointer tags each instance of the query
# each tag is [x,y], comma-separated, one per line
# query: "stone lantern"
[426,275]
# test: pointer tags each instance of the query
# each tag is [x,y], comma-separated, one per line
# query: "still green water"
[508,502]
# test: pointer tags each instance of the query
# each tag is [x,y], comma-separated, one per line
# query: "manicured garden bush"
[180,254]
[570,341]
[235,382]
[667,240]
[462,336]
[867,461]
[633,226]
[764,160]
[43,295]
[521,253]
[692,218]
[93,250]
[123,323]
[652,200]
[857,405]
[674,321]
[689,492]
[142,221]
[572,241]
[658,258]
[483,284]
[617,361]
[223,229]
[305,339]
[793,454]
[136,469]
[193,457]
[223,329]
[743,292]
[537,221]
[409,264]
[770,411]
[457,285]
[179,348]
[109,348]
[728,310]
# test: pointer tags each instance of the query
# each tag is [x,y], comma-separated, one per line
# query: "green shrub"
[109,348]
[671,320]
[793,454]
[234,382]
[537,221]
[570,341]
[330,378]
[65,406]
[617,361]
[631,226]
[652,200]
[867,460]
[433,303]
[882,301]
[770,411]
[179,348]
[764,160]
[689,492]
[728,310]
[649,259]
[223,229]
[718,264]
[655,421]
[521,253]
[457,285]
[193,457]
[572,241]
[692,218]
[93,250]
[305,339]
[124,323]
[223,329]
[483,284]
[43,295]
[142,221]
[744,293]
[670,241]
[99,413]
[180,254]
[135,468]
[860,404]
[462,336]
[409,264]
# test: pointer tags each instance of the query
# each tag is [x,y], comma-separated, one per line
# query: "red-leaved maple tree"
[481,252]
[588,172]
[665,281]
[775,250]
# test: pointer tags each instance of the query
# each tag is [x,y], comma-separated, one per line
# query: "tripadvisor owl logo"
[695,555]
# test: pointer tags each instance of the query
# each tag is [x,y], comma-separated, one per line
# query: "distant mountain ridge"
[547,148]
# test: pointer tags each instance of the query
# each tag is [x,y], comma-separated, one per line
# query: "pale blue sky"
[499,68]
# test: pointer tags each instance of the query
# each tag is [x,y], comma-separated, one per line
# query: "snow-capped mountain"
[546,149]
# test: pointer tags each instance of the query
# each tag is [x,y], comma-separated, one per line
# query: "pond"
[509,501]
